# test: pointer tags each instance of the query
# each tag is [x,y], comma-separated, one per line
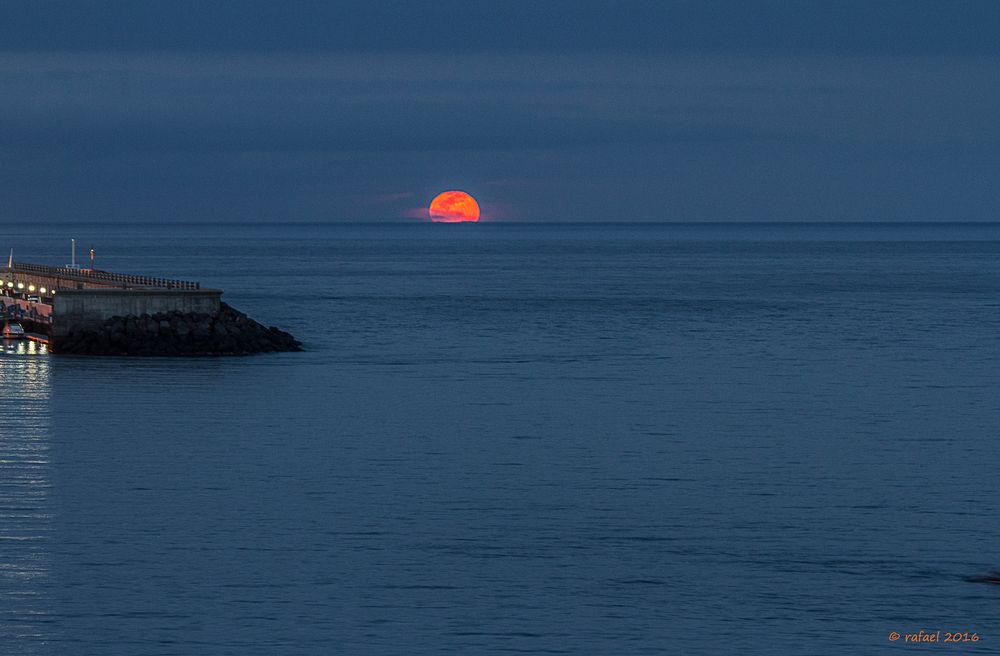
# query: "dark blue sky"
[583,110]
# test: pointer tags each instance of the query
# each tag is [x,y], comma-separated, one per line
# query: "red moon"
[454,207]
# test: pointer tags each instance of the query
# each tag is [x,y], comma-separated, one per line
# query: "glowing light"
[454,207]
[20,285]
[31,288]
[42,290]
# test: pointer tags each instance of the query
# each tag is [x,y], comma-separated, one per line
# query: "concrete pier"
[76,309]
[57,300]
[92,312]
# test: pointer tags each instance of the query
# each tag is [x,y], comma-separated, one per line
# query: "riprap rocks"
[229,332]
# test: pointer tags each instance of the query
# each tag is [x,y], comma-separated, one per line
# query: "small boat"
[13,331]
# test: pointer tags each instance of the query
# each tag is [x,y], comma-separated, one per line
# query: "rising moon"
[454,207]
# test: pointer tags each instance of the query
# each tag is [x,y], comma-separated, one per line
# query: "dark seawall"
[175,333]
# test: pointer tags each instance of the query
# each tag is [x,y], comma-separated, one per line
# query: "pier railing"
[104,276]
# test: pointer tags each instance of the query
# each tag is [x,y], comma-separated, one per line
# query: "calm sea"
[581,439]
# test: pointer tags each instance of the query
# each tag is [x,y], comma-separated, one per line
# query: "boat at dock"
[12,330]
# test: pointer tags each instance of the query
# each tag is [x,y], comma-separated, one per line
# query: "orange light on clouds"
[454,207]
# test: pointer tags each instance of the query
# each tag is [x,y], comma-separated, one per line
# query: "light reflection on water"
[23,347]
[25,483]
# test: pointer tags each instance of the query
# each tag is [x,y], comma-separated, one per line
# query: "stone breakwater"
[229,332]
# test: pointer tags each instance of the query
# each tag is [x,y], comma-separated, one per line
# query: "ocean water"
[580,439]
